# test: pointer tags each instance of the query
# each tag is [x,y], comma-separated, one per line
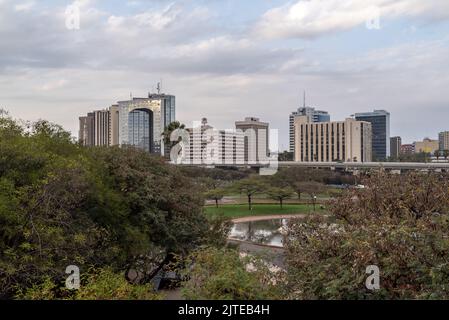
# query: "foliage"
[398,223]
[250,187]
[216,195]
[222,274]
[100,284]
[63,204]
[280,194]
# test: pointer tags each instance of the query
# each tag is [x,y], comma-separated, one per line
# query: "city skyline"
[221,60]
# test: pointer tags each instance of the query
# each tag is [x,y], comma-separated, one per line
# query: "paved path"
[270,217]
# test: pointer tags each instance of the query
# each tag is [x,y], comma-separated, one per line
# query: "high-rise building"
[313,115]
[380,121]
[143,120]
[443,140]
[427,146]
[102,128]
[138,122]
[114,125]
[347,141]
[256,139]
[395,147]
[86,135]
[212,146]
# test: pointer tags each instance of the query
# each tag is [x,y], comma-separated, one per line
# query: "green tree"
[62,204]
[280,194]
[313,189]
[216,195]
[445,154]
[250,187]
[437,154]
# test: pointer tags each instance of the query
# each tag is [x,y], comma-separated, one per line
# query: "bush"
[222,274]
[398,223]
[101,284]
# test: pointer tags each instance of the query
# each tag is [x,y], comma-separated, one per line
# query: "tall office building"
[138,122]
[380,121]
[256,139]
[86,135]
[102,128]
[443,140]
[114,125]
[212,146]
[395,147]
[347,141]
[143,120]
[312,114]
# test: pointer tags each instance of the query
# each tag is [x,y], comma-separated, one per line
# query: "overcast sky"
[227,59]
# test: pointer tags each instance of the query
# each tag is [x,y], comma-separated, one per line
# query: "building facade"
[256,135]
[443,140]
[395,147]
[407,149]
[86,134]
[138,122]
[102,128]
[427,146]
[380,121]
[114,125]
[314,116]
[208,145]
[143,120]
[346,141]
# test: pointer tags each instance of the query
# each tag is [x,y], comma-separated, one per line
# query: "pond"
[267,232]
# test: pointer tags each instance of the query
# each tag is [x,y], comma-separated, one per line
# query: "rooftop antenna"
[304,99]
[158,88]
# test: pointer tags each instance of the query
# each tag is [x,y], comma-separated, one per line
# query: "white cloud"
[313,18]
[25,6]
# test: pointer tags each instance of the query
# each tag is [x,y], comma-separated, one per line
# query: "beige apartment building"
[347,141]
[427,146]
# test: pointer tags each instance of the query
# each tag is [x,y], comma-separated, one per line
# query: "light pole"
[314,202]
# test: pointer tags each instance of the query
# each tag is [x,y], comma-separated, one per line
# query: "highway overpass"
[349,166]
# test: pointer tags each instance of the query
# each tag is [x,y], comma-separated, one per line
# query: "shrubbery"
[63,204]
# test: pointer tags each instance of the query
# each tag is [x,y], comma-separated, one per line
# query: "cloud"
[314,18]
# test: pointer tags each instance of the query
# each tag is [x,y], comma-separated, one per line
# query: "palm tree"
[169,129]
[168,144]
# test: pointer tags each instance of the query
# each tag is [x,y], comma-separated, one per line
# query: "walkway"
[270,217]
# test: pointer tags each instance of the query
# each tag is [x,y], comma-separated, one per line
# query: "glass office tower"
[143,120]
[380,123]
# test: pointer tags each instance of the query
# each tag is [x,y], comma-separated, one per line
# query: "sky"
[230,59]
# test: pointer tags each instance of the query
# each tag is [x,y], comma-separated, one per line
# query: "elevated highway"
[347,166]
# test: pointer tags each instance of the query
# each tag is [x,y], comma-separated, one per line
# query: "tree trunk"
[249,203]
[281,203]
[216,203]
[299,194]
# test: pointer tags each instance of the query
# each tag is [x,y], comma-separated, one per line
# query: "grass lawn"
[241,210]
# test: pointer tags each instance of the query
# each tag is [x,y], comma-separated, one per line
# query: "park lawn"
[241,210]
